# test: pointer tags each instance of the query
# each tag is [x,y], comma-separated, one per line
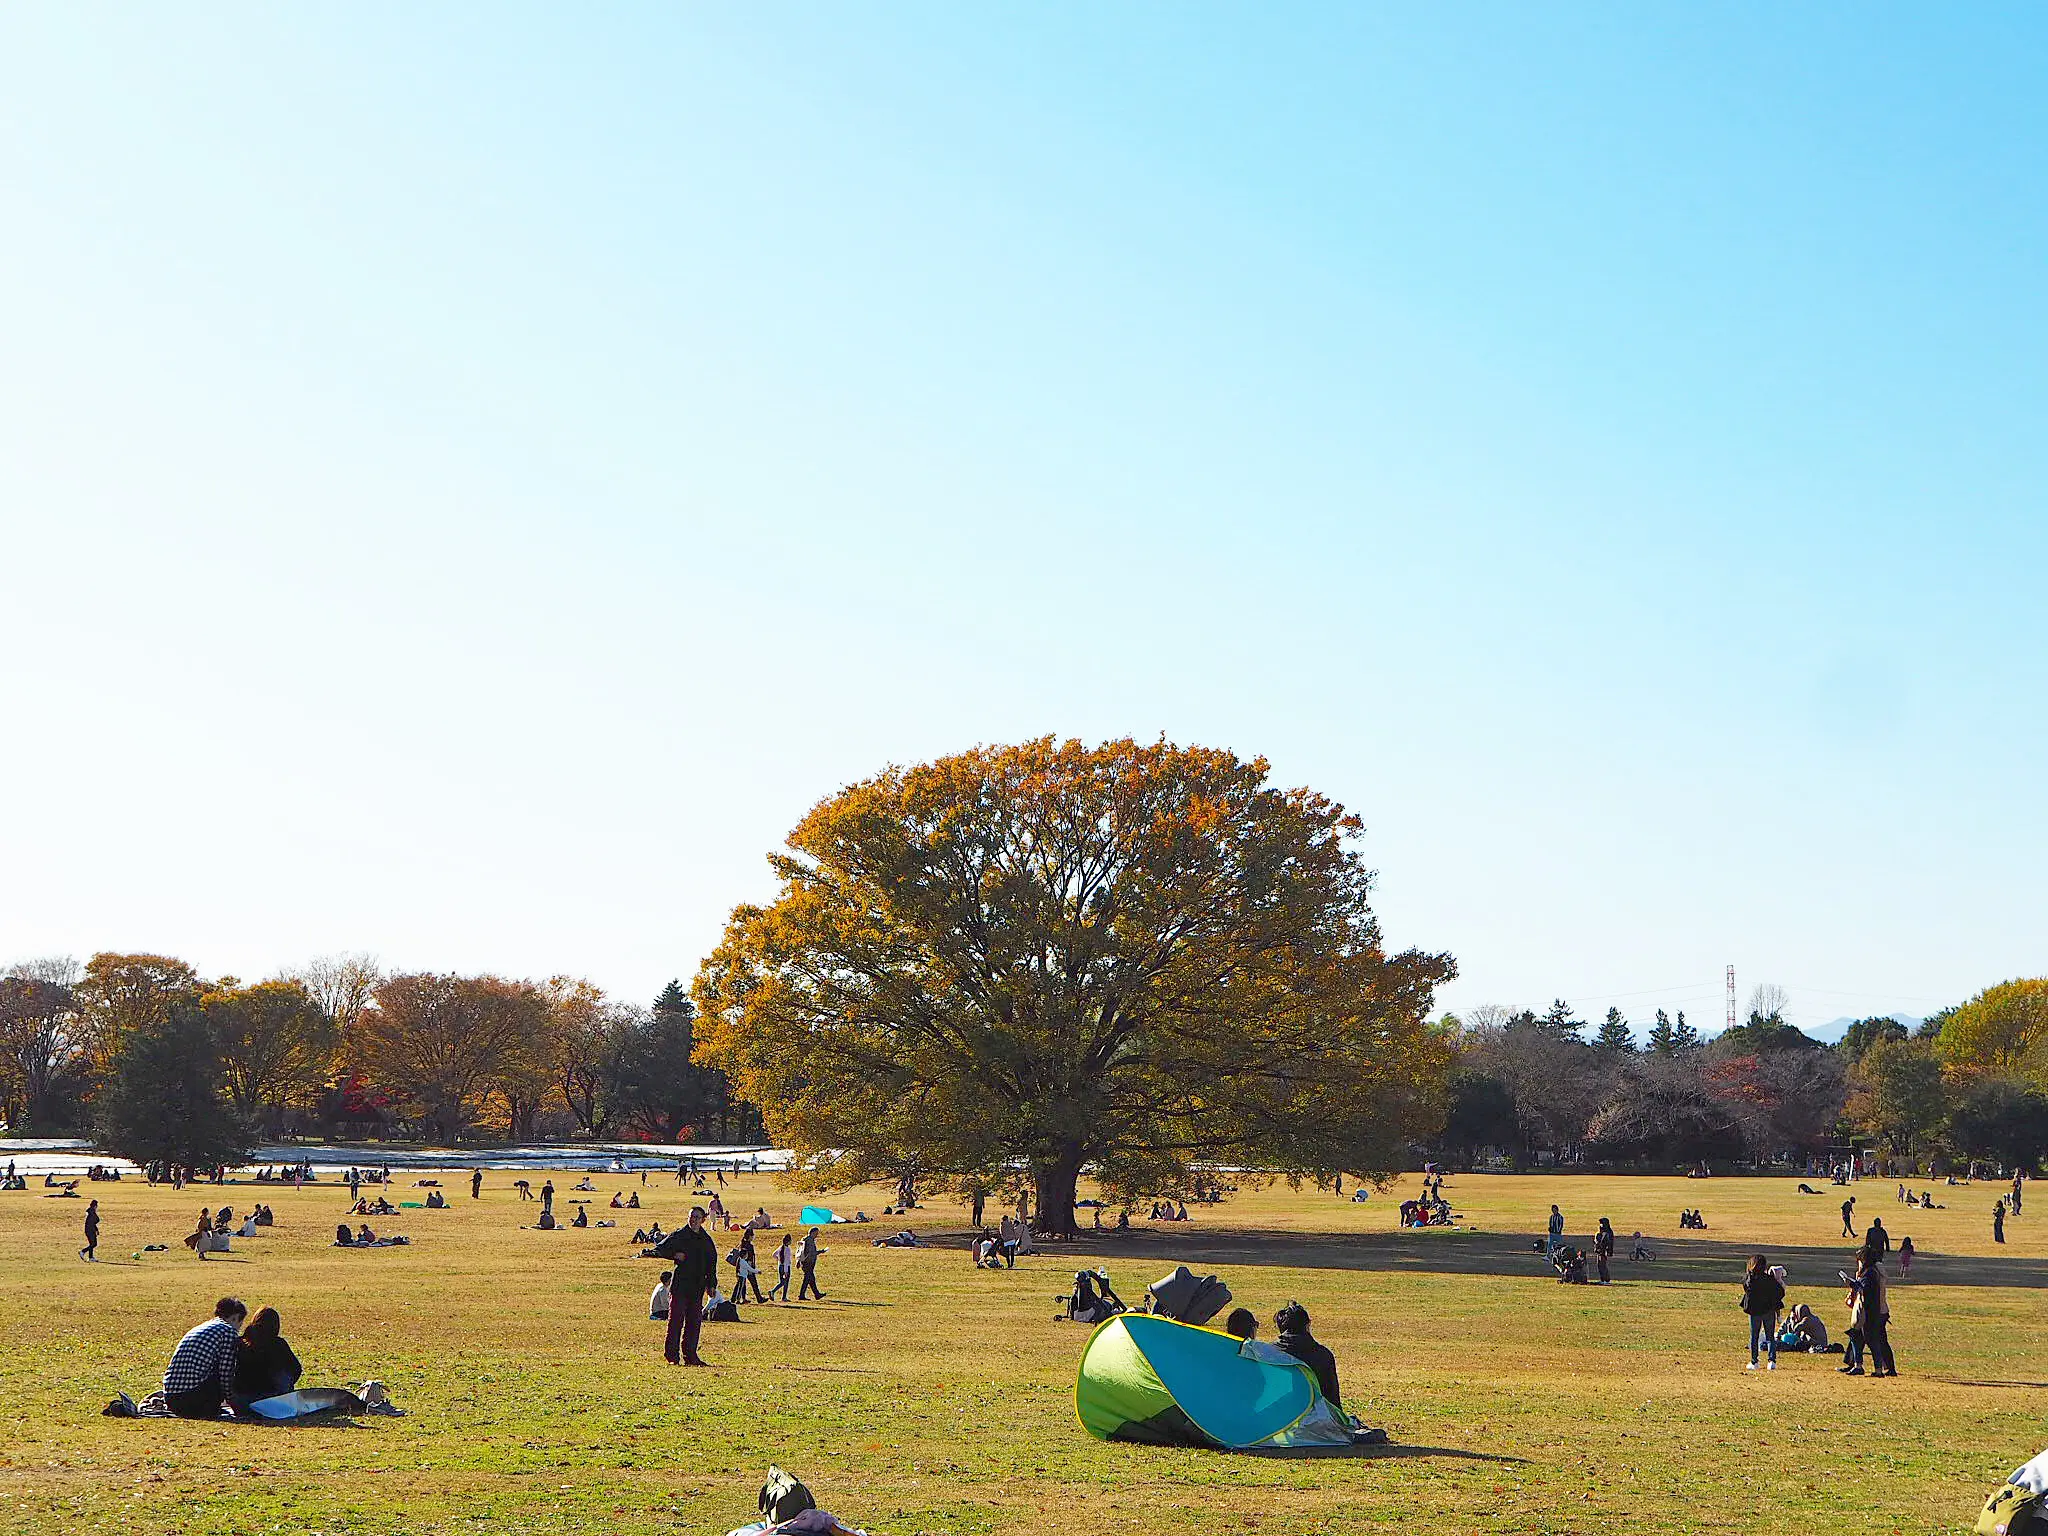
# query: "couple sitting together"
[222,1364]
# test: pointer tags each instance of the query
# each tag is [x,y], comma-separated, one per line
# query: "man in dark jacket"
[695,1257]
[1292,1321]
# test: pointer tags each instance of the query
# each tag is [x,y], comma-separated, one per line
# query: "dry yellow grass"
[923,1396]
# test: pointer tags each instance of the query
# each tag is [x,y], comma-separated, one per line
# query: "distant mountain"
[1834,1029]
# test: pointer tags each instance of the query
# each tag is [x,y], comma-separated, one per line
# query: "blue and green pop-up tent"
[1153,1381]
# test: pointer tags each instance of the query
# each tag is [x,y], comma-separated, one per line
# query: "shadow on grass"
[1454,1251]
[1376,1453]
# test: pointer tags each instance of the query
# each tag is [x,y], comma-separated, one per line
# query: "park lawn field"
[924,1396]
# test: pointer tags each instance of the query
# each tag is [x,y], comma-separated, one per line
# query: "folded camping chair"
[1188,1299]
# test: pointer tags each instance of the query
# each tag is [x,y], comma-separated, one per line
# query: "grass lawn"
[922,1396]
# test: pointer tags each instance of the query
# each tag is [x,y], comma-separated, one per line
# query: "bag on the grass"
[2011,1511]
[782,1497]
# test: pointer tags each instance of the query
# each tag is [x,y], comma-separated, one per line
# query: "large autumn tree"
[1135,959]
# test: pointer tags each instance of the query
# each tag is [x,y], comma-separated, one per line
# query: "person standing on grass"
[202,1368]
[91,1251]
[547,1198]
[1905,1255]
[807,1261]
[1877,1315]
[695,1257]
[476,1183]
[748,1270]
[1998,1222]
[1603,1247]
[1876,1237]
[1556,1230]
[1762,1297]
[1848,1217]
[785,1261]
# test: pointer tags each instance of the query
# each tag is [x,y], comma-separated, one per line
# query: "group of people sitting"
[1692,1221]
[365,1206]
[223,1365]
[632,1204]
[1167,1210]
[1293,1341]
[363,1237]
[215,1228]
[1924,1200]
[1427,1212]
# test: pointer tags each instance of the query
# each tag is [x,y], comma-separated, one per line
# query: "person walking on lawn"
[807,1261]
[695,1257]
[1848,1212]
[785,1261]
[91,1250]
[1762,1297]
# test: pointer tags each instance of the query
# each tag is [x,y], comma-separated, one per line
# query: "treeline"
[342,1048]
[1971,1082]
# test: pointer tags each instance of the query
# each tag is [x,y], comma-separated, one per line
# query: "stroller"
[1188,1299]
[1092,1300]
[1570,1264]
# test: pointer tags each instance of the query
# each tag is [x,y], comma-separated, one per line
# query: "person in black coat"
[1603,1247]
[1292,1322]
[1762,1297]
[264,1363]
[695,1257]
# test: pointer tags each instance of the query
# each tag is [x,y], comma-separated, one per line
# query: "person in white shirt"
[657,1304]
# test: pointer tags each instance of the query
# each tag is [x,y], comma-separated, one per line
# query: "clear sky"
[471,477]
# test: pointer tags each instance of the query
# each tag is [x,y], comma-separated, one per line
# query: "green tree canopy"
[1897,1093]
[162,1100]
[1614,1033]
[1144,958]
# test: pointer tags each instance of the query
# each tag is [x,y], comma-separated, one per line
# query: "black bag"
[783,1497]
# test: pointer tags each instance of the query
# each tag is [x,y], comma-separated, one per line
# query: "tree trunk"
[1053,1187]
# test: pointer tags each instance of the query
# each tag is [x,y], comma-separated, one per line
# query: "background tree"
[1143,958]
[343,986]
[162,1100]
[1661,1108]
[1860,1036]
[2002,1031]
[2003,1119]
[1481,1115]
[1558,1081]
[1683,1036]
[41,1046]
[119,994]
[1614,1033]
[1559,1020]
[275,1046]
[664,1093]
[1897,1094]
[1662,1041]
[437,1044]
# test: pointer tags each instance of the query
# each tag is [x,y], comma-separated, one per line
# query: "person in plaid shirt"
[203,1364]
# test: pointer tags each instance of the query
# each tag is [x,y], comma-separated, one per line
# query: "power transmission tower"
[1731,997]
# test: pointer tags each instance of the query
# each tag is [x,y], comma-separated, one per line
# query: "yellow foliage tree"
[2001,1031]
[1140,959]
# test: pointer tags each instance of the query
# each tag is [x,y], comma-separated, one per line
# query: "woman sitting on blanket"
[264,1363]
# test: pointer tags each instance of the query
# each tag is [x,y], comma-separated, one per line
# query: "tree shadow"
[1456,1251]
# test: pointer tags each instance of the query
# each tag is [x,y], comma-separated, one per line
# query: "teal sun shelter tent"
[1152,1381]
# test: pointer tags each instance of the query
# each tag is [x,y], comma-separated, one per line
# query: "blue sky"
[470,479]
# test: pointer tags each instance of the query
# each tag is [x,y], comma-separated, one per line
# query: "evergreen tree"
[1683,1036]
[162,1101]
[1614,1034]
[1558,1021]
[675,998]
[1663,1039]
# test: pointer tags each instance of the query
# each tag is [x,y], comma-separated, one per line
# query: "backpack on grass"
[783,1497]
[2011,1511]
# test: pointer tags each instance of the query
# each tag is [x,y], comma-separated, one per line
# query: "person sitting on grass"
[202,1368]
[1292,1322]
[264,1363]
[617,1203]
[658,1302]
[1241,1324]
[1804,1333]
[633,1200]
